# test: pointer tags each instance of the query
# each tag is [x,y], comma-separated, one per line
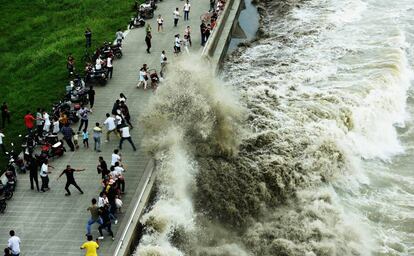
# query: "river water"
[307,148]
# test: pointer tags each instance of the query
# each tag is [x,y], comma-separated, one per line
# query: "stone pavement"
[52,224]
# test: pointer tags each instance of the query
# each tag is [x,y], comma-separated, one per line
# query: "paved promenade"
[51,223]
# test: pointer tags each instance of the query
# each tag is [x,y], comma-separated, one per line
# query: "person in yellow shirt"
[90,246]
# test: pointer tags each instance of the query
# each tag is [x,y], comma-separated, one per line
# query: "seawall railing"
[126,244]
[216,47]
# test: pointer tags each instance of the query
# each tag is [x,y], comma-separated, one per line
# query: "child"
[85,135]
[97,133]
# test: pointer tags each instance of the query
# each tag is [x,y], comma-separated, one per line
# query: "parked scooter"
[136,22]
[76,92]
[117,50]
[16,163]
[3,204]
[11,180]
[146,11]
[65,106]
[97,76]
[6,191]
[53,150]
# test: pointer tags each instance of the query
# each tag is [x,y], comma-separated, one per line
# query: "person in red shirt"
[28,121]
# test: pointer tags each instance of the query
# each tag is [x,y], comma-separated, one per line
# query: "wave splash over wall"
[191,117]
[230,189]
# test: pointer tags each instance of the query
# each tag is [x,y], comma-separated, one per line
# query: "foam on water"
[190,116]
[303,161]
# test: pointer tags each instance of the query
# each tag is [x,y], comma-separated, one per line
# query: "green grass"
[36,37]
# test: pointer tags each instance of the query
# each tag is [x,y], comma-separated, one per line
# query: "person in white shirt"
[98,63]
[126,136]
[117,171]
[56,127]
[118,176]
[47,123]
[142,78]
[176,15]
[160,22]
[177,44]
[119,118]
[119,36]
[101,200]
[186,9]
[14,243]
[116,157]
[3,148]
[109,66]
[44,171]
[110,126]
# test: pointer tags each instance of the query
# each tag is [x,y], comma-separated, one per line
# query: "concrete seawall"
[127,242]
[216,47]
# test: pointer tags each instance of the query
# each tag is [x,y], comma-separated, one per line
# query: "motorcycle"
[65,107]
[3,204]
[105,51]
[11,180]
[15,161]
[97,76]
[53,150]
[6,191]
[76,92]
[79,95]
[117,50]
[146,11]
[136,22]
[152,4]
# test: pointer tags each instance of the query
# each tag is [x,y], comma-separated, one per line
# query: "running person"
[90,246]
[106,221]
[142,78]
[70,179]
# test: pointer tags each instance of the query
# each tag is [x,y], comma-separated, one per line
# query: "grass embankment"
[36,38]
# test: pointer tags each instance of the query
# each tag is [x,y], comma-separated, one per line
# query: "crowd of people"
[105,208]
[116,124]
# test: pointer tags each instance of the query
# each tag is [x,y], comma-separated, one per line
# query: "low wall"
[127,242]
[216,47]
